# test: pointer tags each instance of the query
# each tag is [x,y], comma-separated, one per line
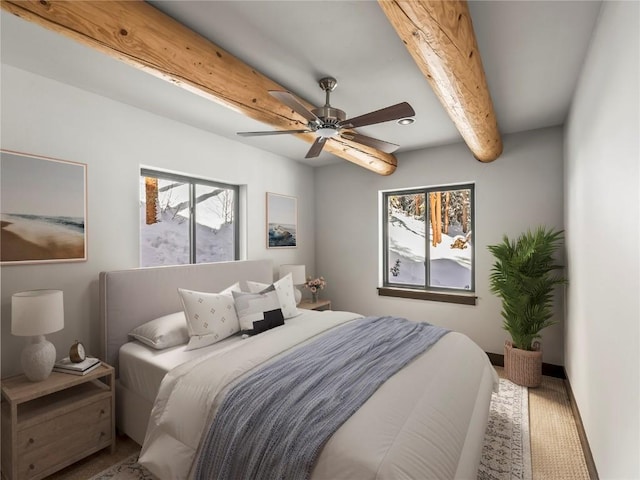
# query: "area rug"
[506,454]
[127,469]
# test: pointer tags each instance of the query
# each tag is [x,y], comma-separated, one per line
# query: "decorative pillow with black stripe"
[258,312]
[285,291]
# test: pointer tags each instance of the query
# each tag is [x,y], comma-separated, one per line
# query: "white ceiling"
[532,53]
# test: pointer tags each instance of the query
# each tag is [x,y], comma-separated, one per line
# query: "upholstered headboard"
[129,298]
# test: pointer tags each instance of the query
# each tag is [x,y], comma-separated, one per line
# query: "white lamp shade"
[37,312]
[298,273]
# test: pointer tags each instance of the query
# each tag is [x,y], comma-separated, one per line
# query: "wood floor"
[556,452]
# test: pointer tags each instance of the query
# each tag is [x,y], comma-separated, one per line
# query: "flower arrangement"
[315,284]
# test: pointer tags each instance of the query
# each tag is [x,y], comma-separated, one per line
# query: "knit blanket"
[274,422]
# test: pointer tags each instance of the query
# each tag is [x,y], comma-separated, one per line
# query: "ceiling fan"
[328,122]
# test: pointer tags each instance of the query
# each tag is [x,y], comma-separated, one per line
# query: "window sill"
[463,299]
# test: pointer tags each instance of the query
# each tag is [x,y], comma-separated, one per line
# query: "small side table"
[51,424]
[319,305]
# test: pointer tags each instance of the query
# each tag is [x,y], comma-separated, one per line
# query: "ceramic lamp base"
[297,295]
[38,358]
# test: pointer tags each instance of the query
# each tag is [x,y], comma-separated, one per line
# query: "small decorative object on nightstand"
[77,353]
[66,365]
[315,285]
[51,424]
[317,305]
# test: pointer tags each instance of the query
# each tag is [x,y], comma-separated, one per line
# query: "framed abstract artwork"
[43,209]
[282,221]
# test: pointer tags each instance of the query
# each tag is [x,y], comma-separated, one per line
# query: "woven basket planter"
[523,367]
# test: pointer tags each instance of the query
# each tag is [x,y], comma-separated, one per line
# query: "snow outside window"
[185,220]
[443,259]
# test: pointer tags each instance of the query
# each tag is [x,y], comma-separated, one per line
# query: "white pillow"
[251,307]
[211,317]
[163,332]
[285,292]
[232,288]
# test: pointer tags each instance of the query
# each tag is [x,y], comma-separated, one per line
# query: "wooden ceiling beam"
[142,36]
[439,36]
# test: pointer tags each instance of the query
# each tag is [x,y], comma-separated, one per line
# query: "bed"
[425,421]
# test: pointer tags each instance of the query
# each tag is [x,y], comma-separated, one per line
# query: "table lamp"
[34,314]
[299,276]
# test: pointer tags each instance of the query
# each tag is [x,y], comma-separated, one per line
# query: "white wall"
[520,190]
[603,241]
[44,117]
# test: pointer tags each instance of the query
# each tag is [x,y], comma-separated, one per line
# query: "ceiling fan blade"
[291,102]
[381,145]
[274,132]
[394,112]
[316,148]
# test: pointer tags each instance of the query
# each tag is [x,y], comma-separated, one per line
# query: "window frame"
[426,291]
[192,182]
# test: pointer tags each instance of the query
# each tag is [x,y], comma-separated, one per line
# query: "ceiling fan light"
[406,121]
[326,132]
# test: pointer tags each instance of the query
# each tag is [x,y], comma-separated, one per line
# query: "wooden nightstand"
[319,305]
[51,424]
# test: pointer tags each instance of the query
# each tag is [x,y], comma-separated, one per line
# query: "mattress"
[142,368]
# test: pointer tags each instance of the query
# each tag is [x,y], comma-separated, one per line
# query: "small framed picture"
[282,221]
[43,209]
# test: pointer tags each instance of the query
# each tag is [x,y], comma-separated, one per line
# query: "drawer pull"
[102,434]
[31,441]
[102,411]
[32,467]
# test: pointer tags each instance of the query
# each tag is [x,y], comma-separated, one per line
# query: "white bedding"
[427,421]
[143,368]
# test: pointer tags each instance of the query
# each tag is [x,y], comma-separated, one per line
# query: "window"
[186,220]
[443,260]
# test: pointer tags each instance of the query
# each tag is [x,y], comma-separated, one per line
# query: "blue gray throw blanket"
[274,422]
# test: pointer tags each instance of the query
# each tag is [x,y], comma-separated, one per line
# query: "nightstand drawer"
[62,426]
[63,438]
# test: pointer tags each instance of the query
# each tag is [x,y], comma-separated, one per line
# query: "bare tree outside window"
[186,220]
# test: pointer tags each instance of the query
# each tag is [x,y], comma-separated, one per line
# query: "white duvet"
[425,422]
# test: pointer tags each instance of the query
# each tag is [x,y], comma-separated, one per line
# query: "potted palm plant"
[524,276]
